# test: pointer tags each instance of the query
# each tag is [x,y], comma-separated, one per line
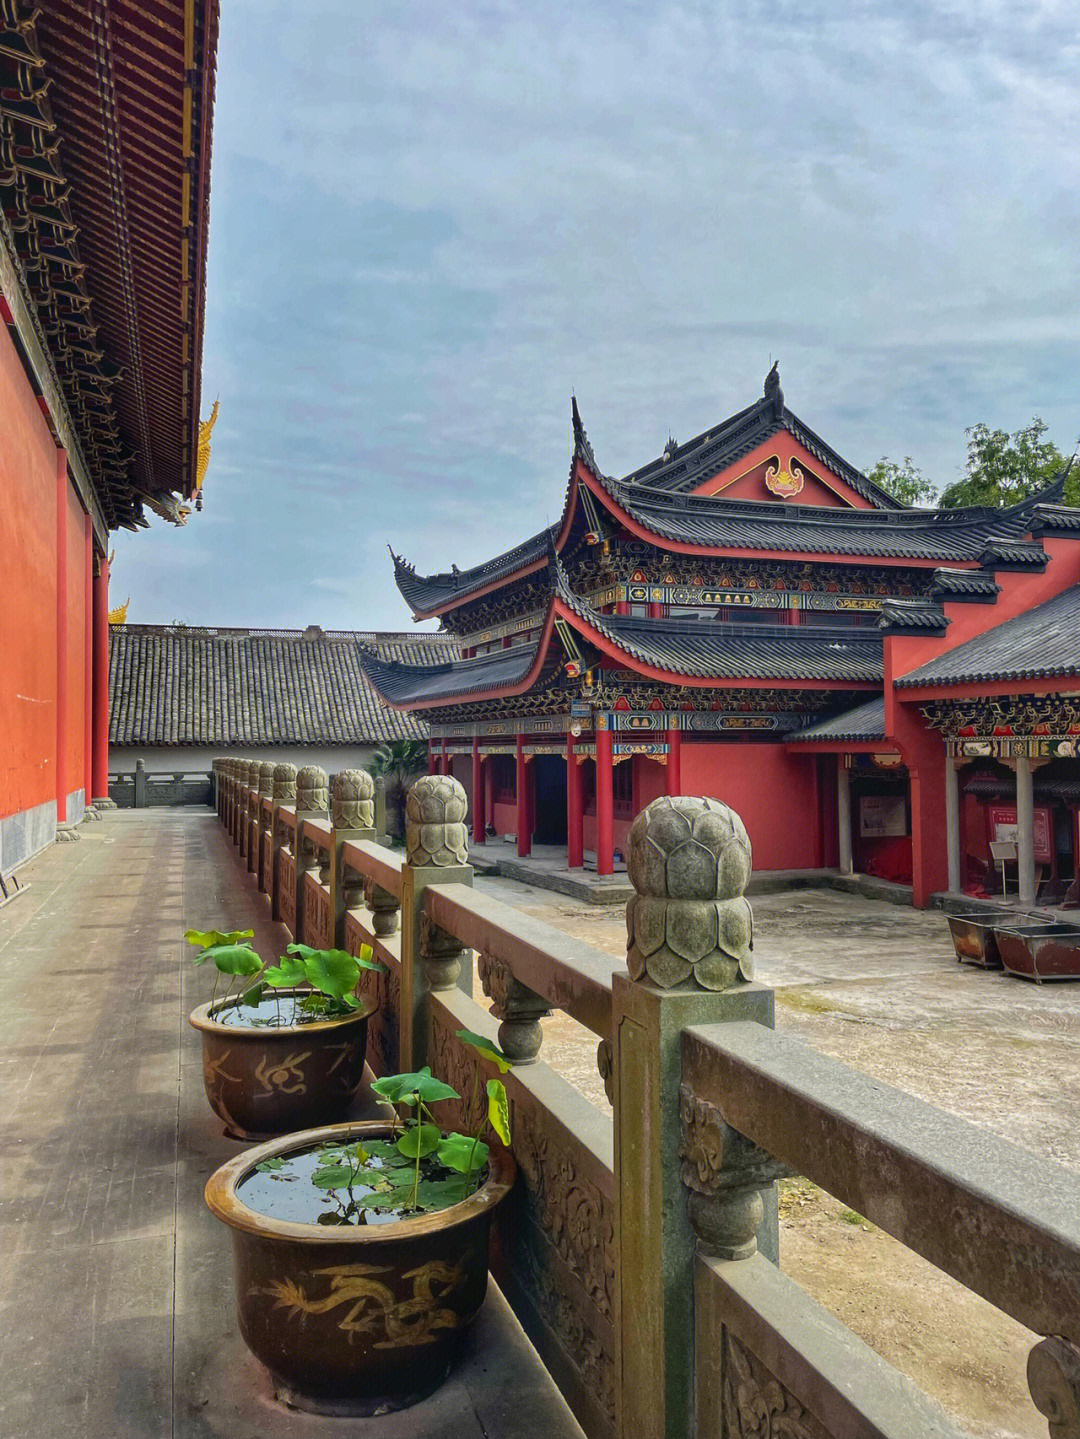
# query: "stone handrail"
[318,832]
[1002,1221]
[374,862]
[287,817]
[569,974]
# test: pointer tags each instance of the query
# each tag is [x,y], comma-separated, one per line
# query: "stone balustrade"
[639,1247]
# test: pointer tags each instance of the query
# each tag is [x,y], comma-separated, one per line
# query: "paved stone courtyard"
[877,985]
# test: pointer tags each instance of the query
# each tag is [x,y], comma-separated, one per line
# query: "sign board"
[1001,822]
[882,816]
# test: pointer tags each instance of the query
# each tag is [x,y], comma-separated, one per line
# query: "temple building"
[105,125]
[748,616]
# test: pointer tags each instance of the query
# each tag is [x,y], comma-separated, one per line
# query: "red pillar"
[433,758]
[605,804]
[523,815]
[489,791]
[62,777]
[923,751]
[656,612]
[575,810]
[88,664]
[674,761]
[477,793]
[622,607]
[100,784]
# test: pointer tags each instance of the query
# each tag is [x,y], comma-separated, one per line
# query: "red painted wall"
[771,789]
[76,644]
[28,612]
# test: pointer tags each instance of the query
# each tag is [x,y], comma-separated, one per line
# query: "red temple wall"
[75,667]
[28,460]
[779,796]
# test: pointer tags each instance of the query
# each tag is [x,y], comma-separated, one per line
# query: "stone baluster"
[352,814]
[284,794]
[381,834]
[312,802]
[518,1008]
[385,909]
[437,852]
[689,936]
[1053,1372]
[263,825]
[244,818]
[234,806]
[227,815]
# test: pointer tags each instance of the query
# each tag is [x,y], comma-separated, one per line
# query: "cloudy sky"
[430,223]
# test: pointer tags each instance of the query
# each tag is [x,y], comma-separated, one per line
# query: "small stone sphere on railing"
[312,790]
[266,777]
[284,784]
[690,862]
[435,832]
[353,800]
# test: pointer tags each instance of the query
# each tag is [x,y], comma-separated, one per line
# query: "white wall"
[166,759]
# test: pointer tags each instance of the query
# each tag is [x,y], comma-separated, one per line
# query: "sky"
[431,223]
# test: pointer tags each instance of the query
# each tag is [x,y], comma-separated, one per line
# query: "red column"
[61,636]
[433,758]
[674,761]
[489,792]
[575,811]
[622,607]
[477,793]
[923,752]
[88,664]
[605,804]
[100,784]
[656,611]
[522,817]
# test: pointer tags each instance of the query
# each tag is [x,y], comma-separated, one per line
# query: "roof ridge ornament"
[773,391]
[583,450]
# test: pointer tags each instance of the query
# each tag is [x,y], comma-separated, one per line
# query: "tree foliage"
[398,762]
[1003,469]
[903,480]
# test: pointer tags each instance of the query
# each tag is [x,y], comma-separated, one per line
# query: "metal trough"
[973,932]
[1039,951]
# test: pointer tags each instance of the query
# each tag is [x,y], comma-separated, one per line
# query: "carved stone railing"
[1000,1220]
[637,1247]
[139,789]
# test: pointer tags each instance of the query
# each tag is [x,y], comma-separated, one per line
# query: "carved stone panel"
[557,1241]
[287,890]
[385,988]
[316,913]
[756,1405]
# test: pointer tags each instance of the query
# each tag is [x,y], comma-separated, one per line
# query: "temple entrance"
[549,777]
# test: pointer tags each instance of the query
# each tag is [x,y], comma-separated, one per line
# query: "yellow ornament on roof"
[202,458]
[118,616]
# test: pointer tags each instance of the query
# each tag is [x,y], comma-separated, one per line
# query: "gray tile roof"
[972,586]
[865,722]
[921,615]
[1042,643]
[409,684]
[178,685]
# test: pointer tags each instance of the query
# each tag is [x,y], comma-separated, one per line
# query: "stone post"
[244,816]
[352,814]
[263,826]
[140,784]
[952,825]
[312,802]
[284,793]
[382,834]
[1025,830]
[234,800]
[1053,1374]
[843,815]
[688,955]
[437,852]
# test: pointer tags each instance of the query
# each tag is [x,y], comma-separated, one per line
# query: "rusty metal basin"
[1040,951]
[973,932]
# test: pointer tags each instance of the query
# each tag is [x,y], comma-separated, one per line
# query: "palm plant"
[398,762]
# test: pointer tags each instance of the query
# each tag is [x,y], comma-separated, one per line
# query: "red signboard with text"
[1001,823]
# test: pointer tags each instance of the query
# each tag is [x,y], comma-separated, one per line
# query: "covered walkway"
[117,1305]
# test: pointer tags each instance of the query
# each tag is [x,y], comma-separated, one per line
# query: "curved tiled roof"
[865,722]
[682,468]
[410,684]
[1043,643]
[171,685]
[656,498]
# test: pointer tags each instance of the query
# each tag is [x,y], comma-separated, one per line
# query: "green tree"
[1003,469]
[903,480]
[398,762]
